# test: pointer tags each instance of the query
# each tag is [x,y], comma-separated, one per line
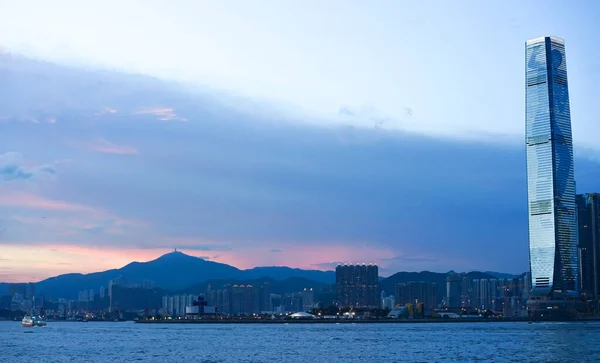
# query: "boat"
[39,321]
[27,321]
[31,321]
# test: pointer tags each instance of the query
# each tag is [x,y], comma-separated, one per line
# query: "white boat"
[27,321]
[31,321]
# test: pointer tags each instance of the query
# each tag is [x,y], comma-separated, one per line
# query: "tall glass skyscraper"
[553,251]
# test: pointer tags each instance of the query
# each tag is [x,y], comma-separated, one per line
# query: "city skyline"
[276,158]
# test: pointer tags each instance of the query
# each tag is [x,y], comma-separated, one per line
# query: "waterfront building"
[276,302]
[417,293]
[475,293]
[496,294]
[357,285]
[553,250]
[240,299]
[588,210]
[388,302]
[484,294]
[165,304]
[454,291]
[170,304]
[292,302]
[308,298]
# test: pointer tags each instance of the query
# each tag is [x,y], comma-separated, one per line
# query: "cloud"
[368,125]
[327,265]
[11,172]
[276,251]
[201,247]
[106,111]
[163,113]
[32,201]
[104,146]
[12,168]
[410,259]
[186,245]
[244,185]
[345,111]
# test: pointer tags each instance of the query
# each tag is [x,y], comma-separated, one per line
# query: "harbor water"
[448,342]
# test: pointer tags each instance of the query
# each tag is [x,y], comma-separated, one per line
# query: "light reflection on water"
[449,342]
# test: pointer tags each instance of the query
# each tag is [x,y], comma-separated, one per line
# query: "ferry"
[31,321]
[27,321]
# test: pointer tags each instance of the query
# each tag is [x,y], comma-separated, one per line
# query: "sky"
[276,133]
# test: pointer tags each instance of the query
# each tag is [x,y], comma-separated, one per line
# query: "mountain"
[327,277]
[175,271]
[178,272]
[502,275]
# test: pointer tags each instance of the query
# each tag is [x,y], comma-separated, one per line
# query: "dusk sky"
[276,132]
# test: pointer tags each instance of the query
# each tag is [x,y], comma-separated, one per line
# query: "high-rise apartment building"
[357,285]
[417,293]
[588,207]
[553,251]
[454,289]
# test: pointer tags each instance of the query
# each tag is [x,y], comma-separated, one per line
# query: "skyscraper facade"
[553,251]
[588,207]
[357,285]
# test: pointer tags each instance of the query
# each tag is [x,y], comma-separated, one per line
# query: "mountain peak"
[178,256]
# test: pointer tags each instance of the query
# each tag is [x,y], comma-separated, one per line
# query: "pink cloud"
[62,218]
[41,259]
[122,222]
[26,200]
[107,147]
[102,145]
[35,261]
[163,114]
[298,256]
[80,225]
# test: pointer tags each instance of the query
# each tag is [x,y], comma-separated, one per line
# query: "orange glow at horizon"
[32,263]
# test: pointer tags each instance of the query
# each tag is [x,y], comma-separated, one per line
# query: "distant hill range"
[501,275]
[181,273]
[175,272]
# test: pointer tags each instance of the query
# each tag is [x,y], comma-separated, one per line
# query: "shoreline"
[359,321]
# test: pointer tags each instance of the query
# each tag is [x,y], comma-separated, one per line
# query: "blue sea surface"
[446,342]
